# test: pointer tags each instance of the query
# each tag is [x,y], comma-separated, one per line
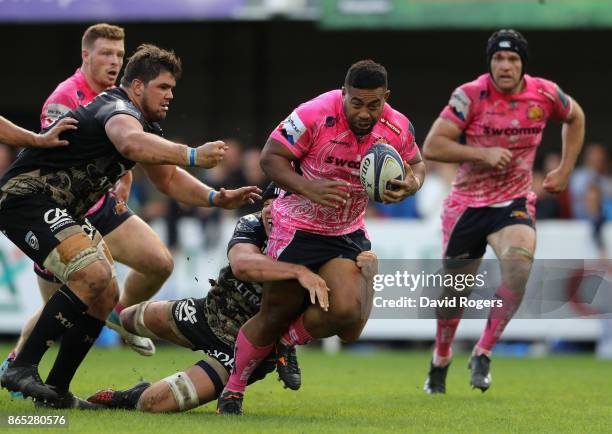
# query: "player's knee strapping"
[104,251]
[516,252]
[139,323]
[216,372]
[183,390]
[75,253]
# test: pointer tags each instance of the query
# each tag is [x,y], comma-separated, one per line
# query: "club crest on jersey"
[535,113]
[292,128]
[391,126]
[460,104]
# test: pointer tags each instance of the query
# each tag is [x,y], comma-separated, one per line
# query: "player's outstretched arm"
[572,137]
[276,164]
[128,136]
[13,135]
[250,265]
[441,144]
[183,187]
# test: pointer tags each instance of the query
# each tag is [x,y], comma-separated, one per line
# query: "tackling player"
[502,115]
[315,153]
[46,194]
[211,323]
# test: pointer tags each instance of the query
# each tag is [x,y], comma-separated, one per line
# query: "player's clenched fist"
[556,180]
[368,264]
[210,154]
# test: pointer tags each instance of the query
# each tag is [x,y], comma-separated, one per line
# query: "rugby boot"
[436,379]
[287,367]
[481,375]
[230,403]
[25,379]
[123,399]
[68,400]
[143,346]
[4,366]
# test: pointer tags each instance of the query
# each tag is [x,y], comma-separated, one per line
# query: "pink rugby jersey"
[490,118]
[318,134]
[68,95]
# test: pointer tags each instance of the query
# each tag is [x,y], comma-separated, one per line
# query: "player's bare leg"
[182,391]
[160,397]
[153,319]
[136,245]
[178,392]
[514,246]
[351,295]
[281,303]
[350,302]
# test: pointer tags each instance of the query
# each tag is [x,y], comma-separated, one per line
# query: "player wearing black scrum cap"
[501,115]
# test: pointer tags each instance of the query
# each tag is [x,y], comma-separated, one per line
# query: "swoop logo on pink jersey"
[319,136]
[516,122]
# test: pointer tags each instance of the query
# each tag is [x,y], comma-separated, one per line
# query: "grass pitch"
[355,393]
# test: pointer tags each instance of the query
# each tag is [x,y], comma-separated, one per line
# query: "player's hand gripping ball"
[380,164]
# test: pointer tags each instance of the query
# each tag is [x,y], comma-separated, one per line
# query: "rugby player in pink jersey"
[502,115]
[131,240]
[314,154]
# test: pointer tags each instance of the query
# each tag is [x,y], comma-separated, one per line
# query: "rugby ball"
[380,164]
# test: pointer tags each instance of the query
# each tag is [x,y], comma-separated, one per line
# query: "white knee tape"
[139,324]
[183,390]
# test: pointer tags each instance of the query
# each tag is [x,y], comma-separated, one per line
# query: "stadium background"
[247,66]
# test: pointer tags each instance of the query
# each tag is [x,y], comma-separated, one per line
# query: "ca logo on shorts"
[185,311]
[31,240]
[222,358]
[89,230]
[57,218]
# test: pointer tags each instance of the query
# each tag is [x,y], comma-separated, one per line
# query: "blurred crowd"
[588,196]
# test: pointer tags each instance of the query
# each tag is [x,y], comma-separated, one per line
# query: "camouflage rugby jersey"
[231,302]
